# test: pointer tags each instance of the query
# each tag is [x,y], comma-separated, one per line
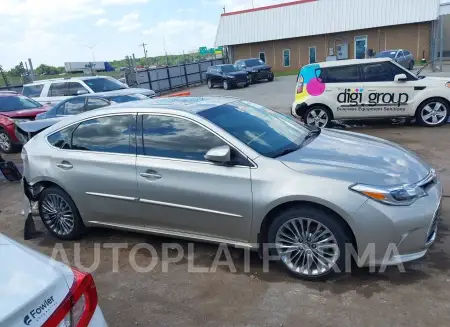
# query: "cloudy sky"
[55,31]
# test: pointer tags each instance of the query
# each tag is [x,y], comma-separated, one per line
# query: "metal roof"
[309,17]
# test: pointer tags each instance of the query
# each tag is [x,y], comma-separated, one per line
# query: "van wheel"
[318,116]
[309,242]
[433,112]
[60,214]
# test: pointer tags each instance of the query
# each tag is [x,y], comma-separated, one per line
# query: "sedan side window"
[58,90]
[96,103]
[105,134]
[72,107]
[177,138]
[61,139]
[76,88]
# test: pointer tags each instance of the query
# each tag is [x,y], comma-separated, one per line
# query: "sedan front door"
[181,192]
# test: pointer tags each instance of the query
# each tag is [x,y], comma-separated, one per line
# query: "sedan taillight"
[79,305]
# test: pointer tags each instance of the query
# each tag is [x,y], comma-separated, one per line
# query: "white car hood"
[32,285]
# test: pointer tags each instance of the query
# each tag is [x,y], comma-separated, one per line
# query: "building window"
[312,55]
[262,56]
[360,47]
[286,57]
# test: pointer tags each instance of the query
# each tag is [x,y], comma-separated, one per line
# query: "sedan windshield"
[228,68]
[386,54]
[12,103]
[265,131]
[254,62]
[127,98]
[104,85]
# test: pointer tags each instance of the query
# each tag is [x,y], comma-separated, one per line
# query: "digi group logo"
[314,84]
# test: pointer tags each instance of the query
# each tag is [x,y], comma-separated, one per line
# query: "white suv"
[369,88]
[55,90]
[38,291]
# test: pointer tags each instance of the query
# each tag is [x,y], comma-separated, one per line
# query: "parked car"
[400,56]
[369,88]
[79,104]
[39,291]
[226,76]
[59,89]
[15,107]
[309,192]
[256,68]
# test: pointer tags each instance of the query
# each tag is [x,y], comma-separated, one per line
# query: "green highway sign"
[204,51]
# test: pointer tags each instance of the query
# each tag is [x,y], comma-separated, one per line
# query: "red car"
[15,107]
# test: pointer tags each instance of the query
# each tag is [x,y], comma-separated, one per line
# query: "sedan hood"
[357,158]
[259,67]
[237,73]
[128,91]
[31,285]
[26,112]
[37,125]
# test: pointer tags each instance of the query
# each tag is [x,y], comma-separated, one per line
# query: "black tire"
[226,85]
[210,86]
[330,221]
[252,79]
[424,104]
[246,84]
[318,107]
[411,65]
[78,226]
[271,79]
[9,147]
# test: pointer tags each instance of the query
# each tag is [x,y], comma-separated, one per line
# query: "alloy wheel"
[317,117]
[307,247]
[434,113]
[209,84]
[225,85]
[57,214]
[5,143]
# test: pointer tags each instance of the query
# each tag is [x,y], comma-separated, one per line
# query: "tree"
[47,70]
[17,71]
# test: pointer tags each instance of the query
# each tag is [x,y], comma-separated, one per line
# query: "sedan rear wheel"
[317,116]
[433,113]
[5,143]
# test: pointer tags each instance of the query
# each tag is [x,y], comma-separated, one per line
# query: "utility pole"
[253,4]
[165,51]
[145,53]
[92,50]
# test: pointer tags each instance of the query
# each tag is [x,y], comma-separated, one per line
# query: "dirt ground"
[418,297]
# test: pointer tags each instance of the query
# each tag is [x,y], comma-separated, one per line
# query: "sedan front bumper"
[390,235]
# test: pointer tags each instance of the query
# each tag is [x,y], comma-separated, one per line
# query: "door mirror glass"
[220,154]
[81,92]
[400,78]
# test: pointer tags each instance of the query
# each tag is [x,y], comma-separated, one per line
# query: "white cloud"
[180,35]
[127,23]
[123,2]
[236,5]
[185,10]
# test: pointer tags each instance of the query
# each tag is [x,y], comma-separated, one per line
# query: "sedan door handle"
[150,174]
[65,165]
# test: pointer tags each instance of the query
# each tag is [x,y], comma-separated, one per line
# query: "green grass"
[13,80]
[286,73]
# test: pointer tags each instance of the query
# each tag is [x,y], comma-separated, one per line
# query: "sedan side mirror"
[220,154]
[400,78]
[81,92]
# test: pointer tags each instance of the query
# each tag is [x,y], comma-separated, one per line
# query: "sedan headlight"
[231,76]
[399,196]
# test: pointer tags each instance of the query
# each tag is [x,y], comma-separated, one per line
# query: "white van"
[369,88]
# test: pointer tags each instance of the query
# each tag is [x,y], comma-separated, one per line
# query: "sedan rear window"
[33,90]
[13,103]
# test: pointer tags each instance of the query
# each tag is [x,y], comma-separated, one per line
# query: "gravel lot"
[418,297]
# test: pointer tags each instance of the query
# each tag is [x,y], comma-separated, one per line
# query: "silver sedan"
[230,171]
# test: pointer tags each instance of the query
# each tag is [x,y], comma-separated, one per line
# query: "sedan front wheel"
[5,143]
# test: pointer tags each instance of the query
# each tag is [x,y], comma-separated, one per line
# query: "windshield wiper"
[312,134]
